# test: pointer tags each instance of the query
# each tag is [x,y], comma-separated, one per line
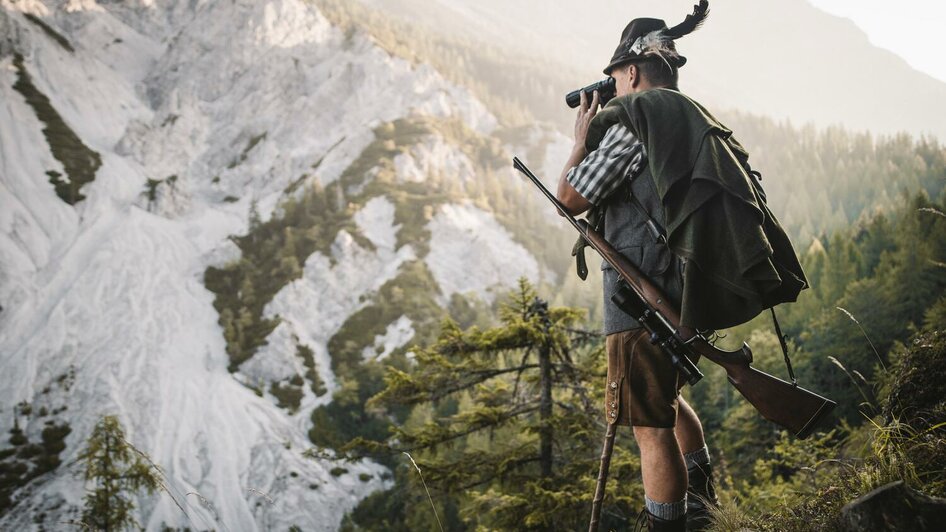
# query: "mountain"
[162,143]
[223,221]
[783,59]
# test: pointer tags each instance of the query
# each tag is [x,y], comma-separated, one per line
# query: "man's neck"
[647,86]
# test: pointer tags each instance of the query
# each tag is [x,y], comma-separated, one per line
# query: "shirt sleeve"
[603,170]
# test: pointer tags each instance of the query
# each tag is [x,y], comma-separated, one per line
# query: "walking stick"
[602,477]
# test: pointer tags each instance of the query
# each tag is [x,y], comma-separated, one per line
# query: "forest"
[500,413]
[868,334]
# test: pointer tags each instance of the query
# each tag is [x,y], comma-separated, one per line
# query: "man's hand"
[585,113]
[567,195]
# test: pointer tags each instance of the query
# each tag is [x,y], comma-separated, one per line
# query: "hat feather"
[659,44]
[692,22]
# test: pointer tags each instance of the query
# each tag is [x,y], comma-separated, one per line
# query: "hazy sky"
[912,29]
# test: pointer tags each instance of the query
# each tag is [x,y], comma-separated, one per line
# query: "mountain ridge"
[195,137]
[778,59]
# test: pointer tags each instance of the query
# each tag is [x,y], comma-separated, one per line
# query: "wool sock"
[699,457]
[666,510]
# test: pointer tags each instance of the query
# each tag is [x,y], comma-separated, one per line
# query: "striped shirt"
[603,170]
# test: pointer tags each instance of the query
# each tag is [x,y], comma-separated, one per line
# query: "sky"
[912,29]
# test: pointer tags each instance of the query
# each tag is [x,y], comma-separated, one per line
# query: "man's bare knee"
[652,434]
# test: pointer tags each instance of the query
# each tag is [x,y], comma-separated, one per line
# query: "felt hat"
[645,38]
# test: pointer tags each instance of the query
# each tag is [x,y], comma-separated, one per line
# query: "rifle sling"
[781,341]
[596,221]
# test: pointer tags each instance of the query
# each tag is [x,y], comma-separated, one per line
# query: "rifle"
[785,404]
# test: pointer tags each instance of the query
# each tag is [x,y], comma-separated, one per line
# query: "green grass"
[803,485]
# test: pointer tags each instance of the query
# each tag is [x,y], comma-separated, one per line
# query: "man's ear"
[634,75]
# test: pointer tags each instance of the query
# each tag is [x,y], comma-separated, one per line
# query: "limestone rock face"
[205,114]
[894,506]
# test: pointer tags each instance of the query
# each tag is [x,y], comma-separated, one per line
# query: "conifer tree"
[116,472]
[515,423]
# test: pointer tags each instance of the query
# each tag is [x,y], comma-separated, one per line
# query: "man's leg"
[654,414]
[700,489]
[662,465]
[689,430]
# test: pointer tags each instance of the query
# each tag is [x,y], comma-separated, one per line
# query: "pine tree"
[116,472]
[510,421]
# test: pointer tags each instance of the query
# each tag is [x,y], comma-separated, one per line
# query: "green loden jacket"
[739,259]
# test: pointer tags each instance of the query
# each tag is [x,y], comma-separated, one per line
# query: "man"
[615,176]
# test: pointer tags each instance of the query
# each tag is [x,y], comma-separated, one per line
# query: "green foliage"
[858,315]
[346,418]
[250,144]
[273,252]
[502,423]
[873,286]
[24,460]
[79,161]
[271,256]
[821,181]
[915,388]
[408,294]
[151,187]
[288,394]
[116,471]
[316,384]
[802,485]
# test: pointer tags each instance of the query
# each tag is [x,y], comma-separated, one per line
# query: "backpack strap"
[660,236]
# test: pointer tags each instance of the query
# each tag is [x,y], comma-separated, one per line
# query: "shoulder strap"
[652,226]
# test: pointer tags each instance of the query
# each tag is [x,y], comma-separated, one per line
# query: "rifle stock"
[783,403]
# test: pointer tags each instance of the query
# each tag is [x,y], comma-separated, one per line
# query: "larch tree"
[116,471]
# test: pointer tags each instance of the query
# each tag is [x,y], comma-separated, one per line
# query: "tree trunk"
[106,481]
[545,409]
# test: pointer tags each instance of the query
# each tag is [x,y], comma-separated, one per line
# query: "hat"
[644,38]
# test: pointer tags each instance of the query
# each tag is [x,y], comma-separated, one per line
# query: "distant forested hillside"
[818,181]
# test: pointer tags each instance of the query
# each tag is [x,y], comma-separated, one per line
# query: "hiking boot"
[701,496]
[656,524]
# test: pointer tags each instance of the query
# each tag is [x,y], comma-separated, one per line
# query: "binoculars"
[605,88]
